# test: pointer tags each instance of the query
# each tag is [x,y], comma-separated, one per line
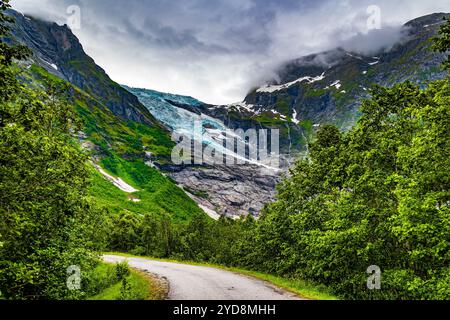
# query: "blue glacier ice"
[201,127]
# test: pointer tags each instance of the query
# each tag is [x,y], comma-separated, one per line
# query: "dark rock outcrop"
[229,190]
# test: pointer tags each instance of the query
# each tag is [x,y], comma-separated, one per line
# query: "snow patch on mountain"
[294,117]
[240,106]
[337,84]
[275,88]
[54,66]
[119,183]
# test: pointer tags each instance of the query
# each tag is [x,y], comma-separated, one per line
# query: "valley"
[324,88]
[332,167]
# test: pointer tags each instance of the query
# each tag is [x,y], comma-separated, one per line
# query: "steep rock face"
[228,190]
[59,51]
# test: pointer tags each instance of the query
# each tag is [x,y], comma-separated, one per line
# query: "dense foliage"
[47,223]
[375,196]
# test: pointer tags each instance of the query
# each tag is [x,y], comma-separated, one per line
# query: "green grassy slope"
[120,146]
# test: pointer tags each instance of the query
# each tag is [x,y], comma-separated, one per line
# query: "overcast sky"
[217,50]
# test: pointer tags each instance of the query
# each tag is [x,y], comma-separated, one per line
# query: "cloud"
[216,50]
[375,40]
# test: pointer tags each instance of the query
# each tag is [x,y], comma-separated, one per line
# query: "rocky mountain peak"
[56,49]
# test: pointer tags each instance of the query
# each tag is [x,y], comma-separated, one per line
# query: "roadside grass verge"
[136,285]
[299,287]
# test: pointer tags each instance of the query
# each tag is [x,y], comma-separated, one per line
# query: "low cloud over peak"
[216,50]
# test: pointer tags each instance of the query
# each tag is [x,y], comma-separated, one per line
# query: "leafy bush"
[122,270]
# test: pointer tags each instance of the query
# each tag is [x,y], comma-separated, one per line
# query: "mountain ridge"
[56,49]
[409,59]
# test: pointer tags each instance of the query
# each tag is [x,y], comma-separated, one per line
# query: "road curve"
[203,283]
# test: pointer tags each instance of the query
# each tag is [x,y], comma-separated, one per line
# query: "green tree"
[45,213]
[124,233]
[442,42]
